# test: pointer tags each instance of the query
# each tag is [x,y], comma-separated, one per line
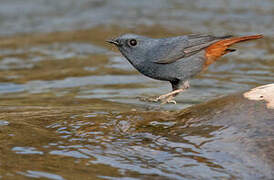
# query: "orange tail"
[214,51]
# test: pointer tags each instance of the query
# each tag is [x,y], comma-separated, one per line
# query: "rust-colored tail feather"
[214,51]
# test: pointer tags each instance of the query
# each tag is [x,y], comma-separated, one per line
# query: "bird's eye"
[132,42]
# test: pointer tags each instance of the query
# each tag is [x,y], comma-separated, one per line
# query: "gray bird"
[174,59]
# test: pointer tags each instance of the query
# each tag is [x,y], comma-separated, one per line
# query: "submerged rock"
[245,139]
[228,138]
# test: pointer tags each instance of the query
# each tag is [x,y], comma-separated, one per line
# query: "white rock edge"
[265,92]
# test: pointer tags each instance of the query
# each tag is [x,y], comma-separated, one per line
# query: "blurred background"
[42,57]
[58,77]
[48,44]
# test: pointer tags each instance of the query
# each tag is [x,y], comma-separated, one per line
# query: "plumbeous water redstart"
[175,59]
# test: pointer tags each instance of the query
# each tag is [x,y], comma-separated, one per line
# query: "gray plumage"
[174,59]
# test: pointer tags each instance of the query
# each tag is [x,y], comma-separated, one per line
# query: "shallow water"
[69,106]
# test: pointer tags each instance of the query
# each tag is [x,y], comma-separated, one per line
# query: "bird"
[175,59]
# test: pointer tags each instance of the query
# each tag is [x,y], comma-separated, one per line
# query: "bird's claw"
[171,101]
[166,99]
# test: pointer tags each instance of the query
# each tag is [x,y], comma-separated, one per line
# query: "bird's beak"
[113,42]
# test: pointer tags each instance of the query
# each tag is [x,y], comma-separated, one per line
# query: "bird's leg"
[169,97]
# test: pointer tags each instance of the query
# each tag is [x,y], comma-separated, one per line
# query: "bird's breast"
[183,69]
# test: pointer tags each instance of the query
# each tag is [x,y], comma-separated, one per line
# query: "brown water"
[69,106]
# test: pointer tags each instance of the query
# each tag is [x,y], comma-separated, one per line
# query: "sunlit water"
[69,101]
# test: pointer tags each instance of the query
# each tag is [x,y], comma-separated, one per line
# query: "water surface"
[69,106]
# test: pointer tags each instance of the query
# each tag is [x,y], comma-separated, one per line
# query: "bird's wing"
[186,47]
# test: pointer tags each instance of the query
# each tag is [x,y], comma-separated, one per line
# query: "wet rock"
[227,138]
[230,137]
[246,130]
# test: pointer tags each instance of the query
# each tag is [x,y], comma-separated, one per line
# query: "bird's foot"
[169,97]
[164,99]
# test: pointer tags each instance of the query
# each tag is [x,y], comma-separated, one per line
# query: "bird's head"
[133,47]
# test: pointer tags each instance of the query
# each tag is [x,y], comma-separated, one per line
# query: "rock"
[246,130]
[265,93]
[233,134]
